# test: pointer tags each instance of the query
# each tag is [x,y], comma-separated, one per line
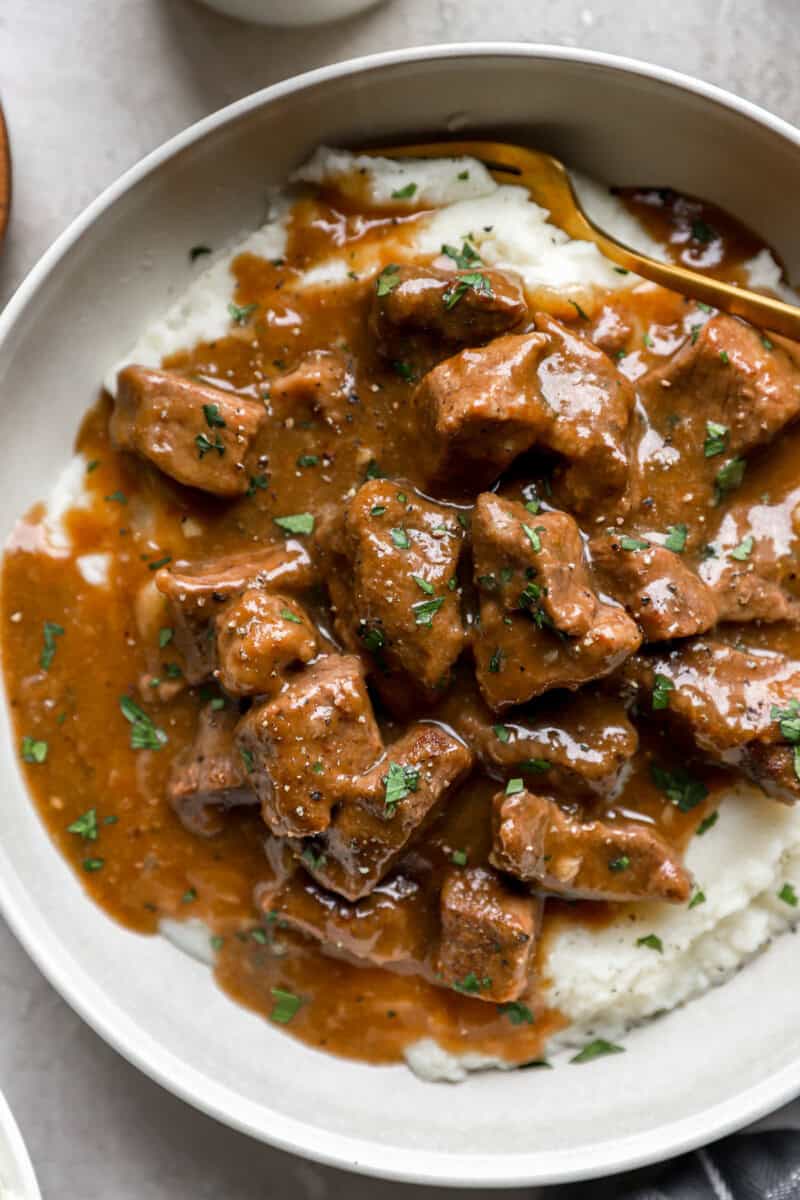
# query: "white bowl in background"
[686,1078]
[290,12]
[17,1179]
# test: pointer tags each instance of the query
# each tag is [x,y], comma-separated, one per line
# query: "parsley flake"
[652,941]
[788,895]
[662,687]
[475,281]
[85,826]
[213,417]
[399,782]
[286,1006]
[679,787]
[388,280]
[596,1049]
[517,1013]
[400,538]
[404,193]
[716,439]
[241,314]
[296,523]
[425,610]
[745,548]
[464,258]
[144,735]
[426,587]
[676,537]
[34,750]
[50,632]
[205,445]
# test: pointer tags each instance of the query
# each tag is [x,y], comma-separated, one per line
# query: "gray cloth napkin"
[760,1163]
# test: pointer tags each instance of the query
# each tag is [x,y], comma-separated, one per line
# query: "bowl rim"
[11,1133]
[132,1041]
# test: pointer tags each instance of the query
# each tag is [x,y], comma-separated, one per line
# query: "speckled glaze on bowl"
[686,1078]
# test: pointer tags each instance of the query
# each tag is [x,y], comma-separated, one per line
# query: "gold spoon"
[550,186]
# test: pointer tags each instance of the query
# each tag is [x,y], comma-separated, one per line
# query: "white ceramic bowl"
[686,1078]
[17,1180]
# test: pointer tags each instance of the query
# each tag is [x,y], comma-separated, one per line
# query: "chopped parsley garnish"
[165,636]
[708,823]
[583,315]
[241,314]
[50,632]
[474,281]
[247,759]
[702,232]
[404,193]
[767,344]
[377,510]
[463,175]
[426,587]
[93,864]
[398,783]
[716,439]
[296,523]
[117,498]
[729,477]
[308,460]
[373,471]
[213,417]
[459,858]
[217,942]
[619,864]
[632,543]
[470,985]
[676,537]
[662,687]
[724,357]
[496,661]
[464,258]
[694,333]
[217,703]
[315,861]
[535,765]
[698,898]
[258,483]
[205,445]
[517,1013]
[372,636]
[144,735]
[198,252]
[706,308]
[172,671]
[288,615]
[92,466]
[34,750]
[788,895]
[648,341]
[514,787]
[259,935]
[388,279]
[679,787]
[159,562]
[400,538]
[745,548]
[85,826]
[404,371]
[502,732]
[425,610]
[652,941]
[596,1049]
[533,536]
[533,506]
[189,896]
[285,1006]
[317,768]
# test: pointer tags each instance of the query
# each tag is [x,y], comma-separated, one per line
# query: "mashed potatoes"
[602,980]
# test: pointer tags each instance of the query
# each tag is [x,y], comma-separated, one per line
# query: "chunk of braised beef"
[569,855]
[260,636]
[303,747]
[523,645]
[393,583]
[392,927]
[580,741]
[458,309]
[198,592]
[738,705]
[209,777]
[321,385]
[382,811]
[489,932]
[477,411]
[589,404]
[199,435]
[658,589]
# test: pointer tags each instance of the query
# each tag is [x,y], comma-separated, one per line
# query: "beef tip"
[589,404]
[539,842]
[663,594]
[321,385]
[391,927]
[732,702]
[443,306]
[756,587]
[303,746]
[383,810]
[476,412]
[198,593]
[199,435]
[489,935]
[259,636]
[574,742]
[541,624]
[394,587]
[730,374]
[209,777]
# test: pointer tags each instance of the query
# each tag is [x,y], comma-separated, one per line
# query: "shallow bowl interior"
[685,1078]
